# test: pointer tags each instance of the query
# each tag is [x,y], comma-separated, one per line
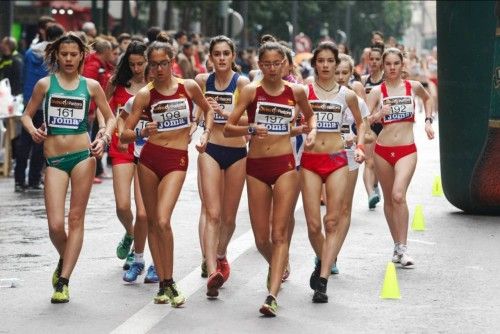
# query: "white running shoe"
[396,258]
[404,258]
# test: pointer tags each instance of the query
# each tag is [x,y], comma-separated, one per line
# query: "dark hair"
[347,51]
[157,45]
[377,32]
[187,45]
[53,48]
[138,38]
[321,47]
[395,51]
[179,34]
[266,38]
[224,39]
[378,47]
[123,36]
[43,20]
[271,46]
[123,73]
[164,37]
[54,32]
[152,34]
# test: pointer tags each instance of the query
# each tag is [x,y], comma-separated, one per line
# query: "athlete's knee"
[56,227]
[314,227]
[331,222]
[398,197]
[164,225]
[123,209]
[141,216]
[262,242]
[75,220]
[212,216]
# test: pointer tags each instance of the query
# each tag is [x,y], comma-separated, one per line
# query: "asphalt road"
[454,287]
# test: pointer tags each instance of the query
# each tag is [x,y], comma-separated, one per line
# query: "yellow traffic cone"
[390,289]
[418,219]
[437,188]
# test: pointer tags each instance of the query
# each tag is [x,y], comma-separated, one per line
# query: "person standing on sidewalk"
[393,103]
[70,155]
[34,70]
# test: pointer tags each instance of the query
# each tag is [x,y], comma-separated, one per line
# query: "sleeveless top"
[65,112]
[226,98]
[119,98]
[275,112]
[402,107]
[329,113]
[369,84]
[172,112]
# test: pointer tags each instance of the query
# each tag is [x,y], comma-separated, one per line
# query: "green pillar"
[466,34]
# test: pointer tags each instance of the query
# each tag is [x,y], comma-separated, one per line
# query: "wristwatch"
[428,119]
[252,130]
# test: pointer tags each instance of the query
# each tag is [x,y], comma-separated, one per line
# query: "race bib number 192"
[401,108]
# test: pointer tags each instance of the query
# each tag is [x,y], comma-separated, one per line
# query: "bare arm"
[301,98]
[39,91]
[427,100]
[352,103]
[208,113]
[97,93]
[232,129]
[141,101]
[372,101]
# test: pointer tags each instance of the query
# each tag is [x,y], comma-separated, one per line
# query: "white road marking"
[150,315]
[422,242]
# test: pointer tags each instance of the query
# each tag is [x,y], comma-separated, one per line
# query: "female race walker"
[167,102]
[395,152]
[129,77]
[373,79]
[271,174]
[222,165]
[70,155]
[326,162]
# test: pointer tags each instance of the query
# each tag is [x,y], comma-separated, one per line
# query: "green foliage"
[390,17]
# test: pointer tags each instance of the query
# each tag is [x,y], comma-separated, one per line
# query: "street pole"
[295,15]
[7,10]
[244,13]
[105,16]
[348,17]
[126,16]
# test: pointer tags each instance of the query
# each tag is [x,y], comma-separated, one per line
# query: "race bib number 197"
[171,114]
[276,117]
[66,112]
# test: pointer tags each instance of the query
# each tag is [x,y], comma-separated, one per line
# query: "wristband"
[428,119]
[361,147]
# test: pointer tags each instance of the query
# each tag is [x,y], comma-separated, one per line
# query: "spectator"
[43,23]
[89,29]
[185,61]
[98,66]
[124,40]
[34,70]
[11,64]
[152,34]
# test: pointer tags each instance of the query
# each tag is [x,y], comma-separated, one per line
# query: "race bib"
[276,117]
[171,114]
[66,112]
[328,115]
[345,130]
[401,108]
[226,102]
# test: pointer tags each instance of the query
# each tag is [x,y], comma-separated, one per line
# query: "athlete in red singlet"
[395,152]
[167,101]
[271,174]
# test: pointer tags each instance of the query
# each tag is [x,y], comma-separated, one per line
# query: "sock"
[139,257]
[59,266]
[168,282]
[322,284]
[221,257]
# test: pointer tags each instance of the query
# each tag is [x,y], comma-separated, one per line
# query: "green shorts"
[68,161]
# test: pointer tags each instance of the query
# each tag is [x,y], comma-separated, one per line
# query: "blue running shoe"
[151,276]
[129,260]
[135,270]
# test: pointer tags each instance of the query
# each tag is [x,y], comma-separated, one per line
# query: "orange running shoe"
[215,281]
[223,268]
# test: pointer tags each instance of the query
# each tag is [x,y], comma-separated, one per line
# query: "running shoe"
[313,280]
[135,270]
[373,200]
[224,268]
[320,295]
[214,283]
[151,276]
[176,298]
[204,272]
[161,297]
[376,190]
[124,246]
[334,270]
[19,188]
[270,307]
[57,273]
[396,257]
[405,259]
[61,294]
[128,261]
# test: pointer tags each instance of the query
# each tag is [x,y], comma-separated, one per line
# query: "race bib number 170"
[328,115]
